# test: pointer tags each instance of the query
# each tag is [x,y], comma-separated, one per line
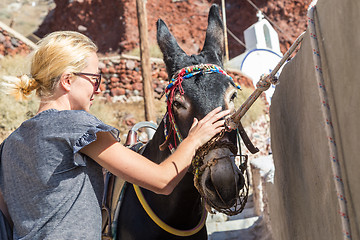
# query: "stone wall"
[122,80]
[11,45]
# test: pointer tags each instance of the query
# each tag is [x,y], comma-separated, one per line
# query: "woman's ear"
[65,81]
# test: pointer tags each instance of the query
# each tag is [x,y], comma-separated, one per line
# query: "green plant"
[13,113]
[154,51]
[255,111]
[14,65]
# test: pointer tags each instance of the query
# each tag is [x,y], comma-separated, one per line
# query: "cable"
[238,40]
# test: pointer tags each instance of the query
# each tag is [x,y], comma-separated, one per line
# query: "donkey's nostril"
[208,184]
[241,181]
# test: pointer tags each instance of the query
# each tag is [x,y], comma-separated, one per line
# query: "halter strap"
[191,71]
[167,134]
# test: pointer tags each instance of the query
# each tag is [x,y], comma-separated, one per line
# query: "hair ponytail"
[19,87]
[56,53]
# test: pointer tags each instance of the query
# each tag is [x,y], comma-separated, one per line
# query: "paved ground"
[244,226]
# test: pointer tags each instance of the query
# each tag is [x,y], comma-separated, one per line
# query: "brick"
[112,69]
[117,91]
[138,86]
[104,70]
[163,75]
[114,79]
[129,87]
[125,80]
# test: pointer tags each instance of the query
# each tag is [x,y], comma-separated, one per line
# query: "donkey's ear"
[173,54]
[214,42]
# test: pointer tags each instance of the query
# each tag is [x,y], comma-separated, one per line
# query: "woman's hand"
[202,131]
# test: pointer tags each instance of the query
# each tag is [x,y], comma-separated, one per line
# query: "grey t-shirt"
[51,189]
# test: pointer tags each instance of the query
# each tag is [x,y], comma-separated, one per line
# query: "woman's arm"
[160,178]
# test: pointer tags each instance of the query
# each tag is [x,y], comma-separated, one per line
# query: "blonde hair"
[56,53]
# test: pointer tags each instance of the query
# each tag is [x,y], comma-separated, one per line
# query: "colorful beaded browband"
[191,71]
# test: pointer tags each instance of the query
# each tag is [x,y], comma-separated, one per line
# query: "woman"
[51,166]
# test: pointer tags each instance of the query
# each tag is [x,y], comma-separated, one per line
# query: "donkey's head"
[198,85]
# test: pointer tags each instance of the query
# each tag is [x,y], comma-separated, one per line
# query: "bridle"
[198,166]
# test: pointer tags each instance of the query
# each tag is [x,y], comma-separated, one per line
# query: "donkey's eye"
[232,98]
[177,104]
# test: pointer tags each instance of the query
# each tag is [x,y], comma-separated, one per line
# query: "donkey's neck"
[186,185]
[152,150]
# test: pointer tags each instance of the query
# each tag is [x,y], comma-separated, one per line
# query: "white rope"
[335,165]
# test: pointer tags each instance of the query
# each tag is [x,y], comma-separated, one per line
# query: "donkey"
[192,92]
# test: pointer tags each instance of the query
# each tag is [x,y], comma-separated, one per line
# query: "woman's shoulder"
[66,116]
[78,116]
[56,122]
[65,124]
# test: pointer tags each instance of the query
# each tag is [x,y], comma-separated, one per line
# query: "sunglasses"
[97,78]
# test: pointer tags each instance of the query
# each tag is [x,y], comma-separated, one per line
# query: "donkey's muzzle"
[222,180]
